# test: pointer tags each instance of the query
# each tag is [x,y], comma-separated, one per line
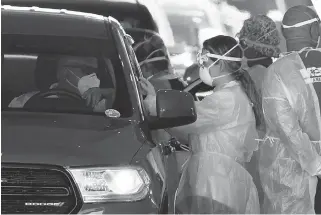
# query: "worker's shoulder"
[276,69]
[285,64]
[284,59]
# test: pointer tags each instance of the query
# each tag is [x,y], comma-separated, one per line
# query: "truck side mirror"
[174,108]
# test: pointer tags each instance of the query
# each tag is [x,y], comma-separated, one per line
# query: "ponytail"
[225,45]
[254,96]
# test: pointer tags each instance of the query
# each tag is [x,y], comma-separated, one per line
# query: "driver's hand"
[147,87]
[93,96]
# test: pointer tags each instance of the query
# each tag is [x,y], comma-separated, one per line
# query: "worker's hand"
[147,88]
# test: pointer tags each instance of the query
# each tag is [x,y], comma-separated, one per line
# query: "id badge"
[311,75]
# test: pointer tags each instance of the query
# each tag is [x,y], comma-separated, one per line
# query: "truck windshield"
[63,74]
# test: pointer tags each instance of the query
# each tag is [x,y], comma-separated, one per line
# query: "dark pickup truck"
[60,155]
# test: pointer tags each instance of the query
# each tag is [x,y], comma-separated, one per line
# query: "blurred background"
[192,22]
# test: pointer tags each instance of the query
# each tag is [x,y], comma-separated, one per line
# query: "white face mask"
[205,76]
[80,84]
[87,82]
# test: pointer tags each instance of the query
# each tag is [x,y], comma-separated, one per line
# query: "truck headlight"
[111,183]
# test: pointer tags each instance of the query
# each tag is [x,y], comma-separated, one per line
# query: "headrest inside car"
[18,73]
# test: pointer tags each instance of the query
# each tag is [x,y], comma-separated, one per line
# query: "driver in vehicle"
[75,75]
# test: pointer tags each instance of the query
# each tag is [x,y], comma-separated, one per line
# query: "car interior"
[28,71]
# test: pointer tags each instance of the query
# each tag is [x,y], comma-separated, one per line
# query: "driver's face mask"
[87,82]
[81,82]
[300,24]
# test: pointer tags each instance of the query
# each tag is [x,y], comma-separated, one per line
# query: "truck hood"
[68,139]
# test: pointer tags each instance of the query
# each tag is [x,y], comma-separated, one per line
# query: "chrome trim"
[26,194]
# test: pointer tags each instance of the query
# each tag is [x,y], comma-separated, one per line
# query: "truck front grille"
[37,190]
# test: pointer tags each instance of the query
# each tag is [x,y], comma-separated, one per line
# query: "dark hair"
[222,44]
[251,53]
